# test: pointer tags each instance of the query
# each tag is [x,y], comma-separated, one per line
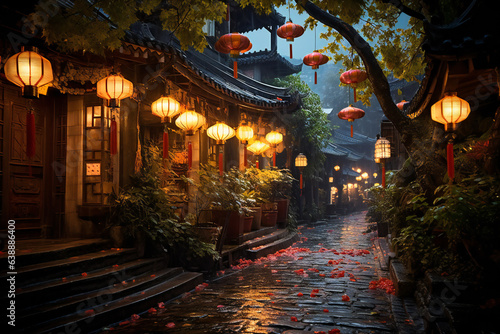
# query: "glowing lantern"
[352,78]
[165,107]
[350,114]
[449,111]
[114,88]
[28,70]
[358,178]
[290,31]
[190,121]
[364,175]
[220,132]
[314,60]
[234,44]
[258,147]
[244,133]
[337,168]
[382,152]
[301,163]
[274,138]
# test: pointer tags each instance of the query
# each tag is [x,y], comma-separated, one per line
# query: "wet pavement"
[328,282]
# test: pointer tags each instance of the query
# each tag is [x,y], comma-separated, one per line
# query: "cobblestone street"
[328,281]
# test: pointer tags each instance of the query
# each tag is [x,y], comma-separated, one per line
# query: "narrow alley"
[328,282]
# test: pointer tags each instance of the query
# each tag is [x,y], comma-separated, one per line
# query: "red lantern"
[350,114]
[352,78]
[314,60]
[234,44]
[401,104]
[290,31]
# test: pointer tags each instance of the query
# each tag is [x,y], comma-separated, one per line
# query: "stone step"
[258,233]
[113,289]
[53,290]
[30,252]
[79,264]
[272,247]
[91,319]
[404,285]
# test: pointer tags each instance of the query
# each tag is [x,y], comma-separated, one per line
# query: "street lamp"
[449,111]
[300,163]
[382,152]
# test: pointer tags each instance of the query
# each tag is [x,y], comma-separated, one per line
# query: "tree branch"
[404,9]
[375,74]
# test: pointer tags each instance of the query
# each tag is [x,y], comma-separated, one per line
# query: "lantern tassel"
[274,158]
[291,52]
[245,155]
[352,131]
[190,155]
[235,69]
[165,144]
[315,77]
[301,183]
[450,160]
[113,144]
[257,163]
[221,162]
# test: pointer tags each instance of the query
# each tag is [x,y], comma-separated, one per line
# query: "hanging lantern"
[220,132]
[314,60]
[352,78]
[450,111]
[244,133]
[350,114]
[401,104]
[274,138]
[165,108]
[364,175]
[234,44]
[382,152]
[290,31]
[190,121]
[28,70]
[337,168]
[114,88]
[301,163]
[258,147]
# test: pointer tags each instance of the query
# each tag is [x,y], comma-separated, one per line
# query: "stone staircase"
[86,285]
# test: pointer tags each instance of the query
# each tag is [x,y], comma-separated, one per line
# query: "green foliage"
[309,123]
[270,184]
[144,207]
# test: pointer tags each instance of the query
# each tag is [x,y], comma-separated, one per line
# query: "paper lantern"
[114,88]
[166,107]
[190,121]
[274,138]
[315,60]
[290,31]
[450,111]
[301,163]
[233,44]
[337,168]
[350,114]
[352,78]
[382,152]
[220,132]
[244,133]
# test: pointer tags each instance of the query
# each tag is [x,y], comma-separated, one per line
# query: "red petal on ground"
[345,298]
[294,319]
[161,305]
[170,325]
[300,294]
[84,274]
[326,310]
[135,317]
[334,331]
[152,310]
[89,312]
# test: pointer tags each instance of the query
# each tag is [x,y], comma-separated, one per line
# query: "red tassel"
[235,69]
[30,135]
[301,184]
[274,158]
[245,155]
[190,155]
[257,163]
[450,160]
[383,175]
[291,52]
[352,131]
[165,145]
[221,163]
[113,142]
[315,77]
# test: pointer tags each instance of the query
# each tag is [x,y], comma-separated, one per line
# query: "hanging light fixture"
[382,152]
[234,44]
[29,70]
[244,133]
[258,147]
[337,168]
[315,60]
[450,111]
[114,88]
[350,114]
[274,138]
[165,107]
[352,78]
[220,132]
[190,121]
[289,31]
[301,163]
